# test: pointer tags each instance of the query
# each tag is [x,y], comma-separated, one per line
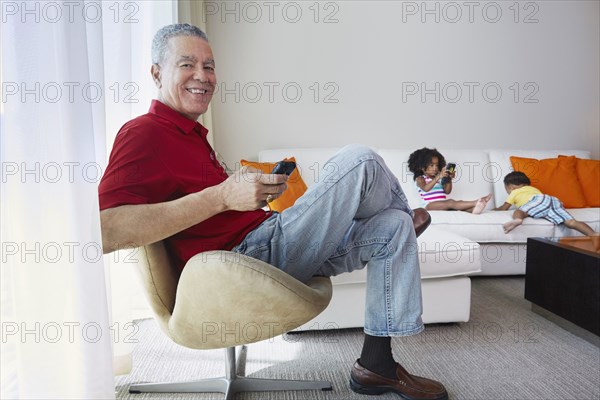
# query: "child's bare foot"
[509,226]
[481,203]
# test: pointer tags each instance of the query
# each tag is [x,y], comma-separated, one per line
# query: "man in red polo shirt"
[164,183]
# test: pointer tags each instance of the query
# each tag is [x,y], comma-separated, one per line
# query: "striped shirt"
[435,194]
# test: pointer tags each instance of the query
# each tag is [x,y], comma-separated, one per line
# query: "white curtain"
[72,74]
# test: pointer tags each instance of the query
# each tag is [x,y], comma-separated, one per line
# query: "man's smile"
[197,90]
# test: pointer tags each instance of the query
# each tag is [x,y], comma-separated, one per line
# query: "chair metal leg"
[202,385]
[231,383]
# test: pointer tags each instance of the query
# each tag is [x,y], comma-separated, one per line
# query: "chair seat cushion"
[227,299]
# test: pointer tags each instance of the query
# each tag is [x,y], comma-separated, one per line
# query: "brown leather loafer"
[421,220]
[408,386]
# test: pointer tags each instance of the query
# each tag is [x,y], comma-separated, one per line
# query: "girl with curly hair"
[434,183]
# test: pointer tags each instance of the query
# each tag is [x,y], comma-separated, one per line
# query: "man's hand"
[137,225]
[250,189]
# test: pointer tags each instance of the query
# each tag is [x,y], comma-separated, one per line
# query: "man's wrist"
[213,196]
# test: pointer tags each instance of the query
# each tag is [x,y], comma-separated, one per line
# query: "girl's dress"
[435,194]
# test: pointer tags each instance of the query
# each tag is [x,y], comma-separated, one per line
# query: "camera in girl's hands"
[450,168]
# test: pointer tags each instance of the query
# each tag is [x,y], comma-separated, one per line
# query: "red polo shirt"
[162,156]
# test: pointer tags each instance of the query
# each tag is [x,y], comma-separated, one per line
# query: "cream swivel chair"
[222,300]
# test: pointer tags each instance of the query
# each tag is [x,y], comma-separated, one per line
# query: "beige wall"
[358,65]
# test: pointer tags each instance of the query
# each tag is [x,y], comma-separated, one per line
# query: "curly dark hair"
[516,178]
[420,159]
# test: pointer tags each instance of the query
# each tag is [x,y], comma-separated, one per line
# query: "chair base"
[230,384]
[229,387]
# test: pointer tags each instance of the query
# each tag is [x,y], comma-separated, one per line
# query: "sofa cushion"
[487,227]
[444,253]
[588,172]
[590,216]
[499,165]
[295,185]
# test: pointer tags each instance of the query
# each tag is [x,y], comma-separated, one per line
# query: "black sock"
[376,356]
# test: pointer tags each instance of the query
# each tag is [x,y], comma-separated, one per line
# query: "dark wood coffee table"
[562,281]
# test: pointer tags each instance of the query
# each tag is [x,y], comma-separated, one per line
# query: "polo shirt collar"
[184,124]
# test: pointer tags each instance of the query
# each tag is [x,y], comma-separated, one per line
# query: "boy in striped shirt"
[531,202]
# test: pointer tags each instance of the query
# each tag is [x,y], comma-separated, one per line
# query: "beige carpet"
[505,352]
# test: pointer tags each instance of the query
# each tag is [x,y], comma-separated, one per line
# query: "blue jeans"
[355,215]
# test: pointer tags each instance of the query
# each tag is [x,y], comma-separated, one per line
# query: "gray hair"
[161,39]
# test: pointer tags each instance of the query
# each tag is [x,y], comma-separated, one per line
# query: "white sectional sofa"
[457,244]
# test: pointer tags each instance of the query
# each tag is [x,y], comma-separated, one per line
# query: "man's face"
[186,76]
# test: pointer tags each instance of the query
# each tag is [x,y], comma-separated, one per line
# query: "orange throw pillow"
[553,176]
[296,186]
[588,172]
